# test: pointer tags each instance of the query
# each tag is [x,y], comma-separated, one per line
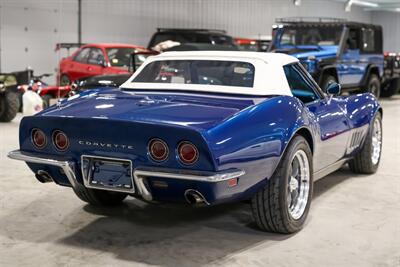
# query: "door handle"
[89,69]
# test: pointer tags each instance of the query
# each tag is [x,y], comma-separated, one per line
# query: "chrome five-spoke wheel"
[376,142]
[283,204]
[298,185]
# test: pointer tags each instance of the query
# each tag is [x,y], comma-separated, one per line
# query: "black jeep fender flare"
[327,69]
[371,69]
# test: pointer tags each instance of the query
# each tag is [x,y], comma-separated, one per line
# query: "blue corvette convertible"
[206,128]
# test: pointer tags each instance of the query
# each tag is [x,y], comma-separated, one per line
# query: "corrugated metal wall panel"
[391,29]
[133,21]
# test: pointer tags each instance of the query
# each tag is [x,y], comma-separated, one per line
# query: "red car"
[97,59]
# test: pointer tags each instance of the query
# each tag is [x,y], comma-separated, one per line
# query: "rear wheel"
[99,197]
[9,105]
[391,88]
[374,85]
[367,160]
[282,205]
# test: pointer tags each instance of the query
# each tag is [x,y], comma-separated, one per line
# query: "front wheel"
[282,205]
[374,85]
[367,160]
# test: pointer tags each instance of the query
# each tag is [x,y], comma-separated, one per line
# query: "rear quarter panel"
[256,138]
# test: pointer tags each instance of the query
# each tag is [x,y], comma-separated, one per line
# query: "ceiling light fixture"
[349,3]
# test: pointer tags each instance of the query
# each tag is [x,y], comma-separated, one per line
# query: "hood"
[198,111]
[315,51]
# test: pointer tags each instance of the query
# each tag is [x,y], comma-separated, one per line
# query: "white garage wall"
[391,29]
[31,28]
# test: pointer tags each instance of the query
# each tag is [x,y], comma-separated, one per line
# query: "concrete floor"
[354,221]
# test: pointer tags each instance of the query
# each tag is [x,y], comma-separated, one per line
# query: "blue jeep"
[334,50]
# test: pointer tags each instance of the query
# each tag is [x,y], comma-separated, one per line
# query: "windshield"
[210,72]
[309,36]
[120,56]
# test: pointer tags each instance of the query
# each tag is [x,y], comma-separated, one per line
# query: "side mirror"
[333,89]
[102,63]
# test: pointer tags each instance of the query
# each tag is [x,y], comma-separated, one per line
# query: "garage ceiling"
[374,5]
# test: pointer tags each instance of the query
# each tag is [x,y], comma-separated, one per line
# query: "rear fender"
[255,139]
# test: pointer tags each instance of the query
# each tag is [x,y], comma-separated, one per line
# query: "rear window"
[209,72]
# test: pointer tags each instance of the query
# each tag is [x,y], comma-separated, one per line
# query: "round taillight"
[39,139]
[60,140]
[158,149]
[188,152]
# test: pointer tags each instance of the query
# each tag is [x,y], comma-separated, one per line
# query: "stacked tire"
[9,106]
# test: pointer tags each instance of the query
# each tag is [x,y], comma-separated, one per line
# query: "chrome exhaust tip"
[194,197]
[43,177]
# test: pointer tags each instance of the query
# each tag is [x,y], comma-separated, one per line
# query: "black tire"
[373,85]
[270,205]
[46,100]
[327,80]
[65,80]
[100,197]
[9,106]
[391,88]
[363,163]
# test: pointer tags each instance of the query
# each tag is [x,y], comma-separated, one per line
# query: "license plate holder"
[110,174]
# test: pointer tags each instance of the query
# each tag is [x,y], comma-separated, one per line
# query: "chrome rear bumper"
[67,166]
[139,173]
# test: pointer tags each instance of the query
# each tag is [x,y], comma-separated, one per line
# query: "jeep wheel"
[9,105]
[283,204]
[326,81]
[99,197]
[367,160]
[374,85]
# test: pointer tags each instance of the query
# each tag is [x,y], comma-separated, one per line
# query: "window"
[120,56]
[368,37]
[353,40]
[82,55]
[96,57]
[211,72]
[299,85]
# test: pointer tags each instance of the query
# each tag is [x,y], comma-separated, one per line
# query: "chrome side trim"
[67,166]
[327,170]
